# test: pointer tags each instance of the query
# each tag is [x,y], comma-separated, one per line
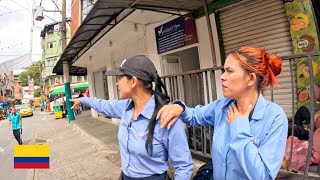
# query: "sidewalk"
[86,148]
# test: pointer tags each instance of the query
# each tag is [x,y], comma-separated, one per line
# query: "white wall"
[92,89]
[123,38]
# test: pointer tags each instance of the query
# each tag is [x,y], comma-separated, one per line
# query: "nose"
[222,77]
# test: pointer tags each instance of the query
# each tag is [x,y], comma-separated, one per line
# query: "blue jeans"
[16,134]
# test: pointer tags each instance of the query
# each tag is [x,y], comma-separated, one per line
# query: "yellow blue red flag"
[31,156]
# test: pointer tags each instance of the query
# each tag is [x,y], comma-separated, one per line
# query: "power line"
[8,47]
[54,21]
[10,9]
[59,9]
[27,3]
[19,5]
[11,12]
[73,3]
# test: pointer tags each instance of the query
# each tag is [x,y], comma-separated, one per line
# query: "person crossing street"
[16,125]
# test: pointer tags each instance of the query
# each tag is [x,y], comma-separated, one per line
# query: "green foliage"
[24,78]
[33,72]
[37,93]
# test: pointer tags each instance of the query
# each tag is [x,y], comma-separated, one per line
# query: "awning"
[81,86]
[21,62]
[105,15]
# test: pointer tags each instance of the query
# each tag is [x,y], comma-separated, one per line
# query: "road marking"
[1,149]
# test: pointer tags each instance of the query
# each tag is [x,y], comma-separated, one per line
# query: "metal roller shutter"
[262,23]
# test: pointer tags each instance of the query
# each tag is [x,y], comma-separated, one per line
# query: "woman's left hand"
[233,113]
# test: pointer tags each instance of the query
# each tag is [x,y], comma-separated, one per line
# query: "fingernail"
[161,126]
[250,106]
[168,128]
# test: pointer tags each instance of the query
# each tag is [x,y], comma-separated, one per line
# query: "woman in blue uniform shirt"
[145,148]
[249,131]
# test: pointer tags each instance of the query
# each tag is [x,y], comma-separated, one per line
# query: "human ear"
[134,81]
[252,79]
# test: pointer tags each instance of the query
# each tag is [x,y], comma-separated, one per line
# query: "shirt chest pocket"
[157,146]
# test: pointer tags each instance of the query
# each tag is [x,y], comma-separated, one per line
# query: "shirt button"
[224,164]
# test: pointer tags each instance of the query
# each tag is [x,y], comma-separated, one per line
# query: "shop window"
[79,78]
[85,78]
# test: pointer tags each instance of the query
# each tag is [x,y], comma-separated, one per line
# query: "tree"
[33,72]
[37,93]
[24,78]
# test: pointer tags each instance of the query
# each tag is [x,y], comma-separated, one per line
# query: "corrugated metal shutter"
[261,23]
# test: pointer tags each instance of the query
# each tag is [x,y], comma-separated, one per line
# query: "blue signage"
[176,34]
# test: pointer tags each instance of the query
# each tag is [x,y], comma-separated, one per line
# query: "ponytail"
[161,99]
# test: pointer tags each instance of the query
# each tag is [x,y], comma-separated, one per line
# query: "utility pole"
[66,64]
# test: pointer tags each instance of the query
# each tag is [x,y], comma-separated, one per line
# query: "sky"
[16,24]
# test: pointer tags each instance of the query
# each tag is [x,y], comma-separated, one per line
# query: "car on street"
[24,110]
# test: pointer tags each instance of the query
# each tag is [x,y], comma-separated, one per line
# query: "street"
[78,150]
[7,141]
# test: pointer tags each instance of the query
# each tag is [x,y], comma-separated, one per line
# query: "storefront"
[186,58]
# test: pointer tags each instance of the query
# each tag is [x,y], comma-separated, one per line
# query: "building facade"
[6,92]
[189,50]
[52,49]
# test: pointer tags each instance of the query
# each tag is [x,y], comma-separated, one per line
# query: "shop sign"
[175,34]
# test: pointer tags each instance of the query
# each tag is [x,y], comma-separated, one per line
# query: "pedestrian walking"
[145,148]
[16,125]
[250,132]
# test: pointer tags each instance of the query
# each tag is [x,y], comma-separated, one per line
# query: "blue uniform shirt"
[245,149]
[167,144]
[15,121]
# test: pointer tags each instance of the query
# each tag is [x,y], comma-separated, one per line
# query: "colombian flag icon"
[31,156]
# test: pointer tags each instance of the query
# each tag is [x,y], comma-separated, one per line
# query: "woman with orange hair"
[249,131]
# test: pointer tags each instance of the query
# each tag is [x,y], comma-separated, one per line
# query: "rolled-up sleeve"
[178,151]
[112,108]
[266,158]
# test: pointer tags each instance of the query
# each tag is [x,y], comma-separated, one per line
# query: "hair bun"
[274,63]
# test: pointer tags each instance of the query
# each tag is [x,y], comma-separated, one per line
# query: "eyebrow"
[228,68]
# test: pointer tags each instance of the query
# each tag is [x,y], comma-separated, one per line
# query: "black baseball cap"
[139,66]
